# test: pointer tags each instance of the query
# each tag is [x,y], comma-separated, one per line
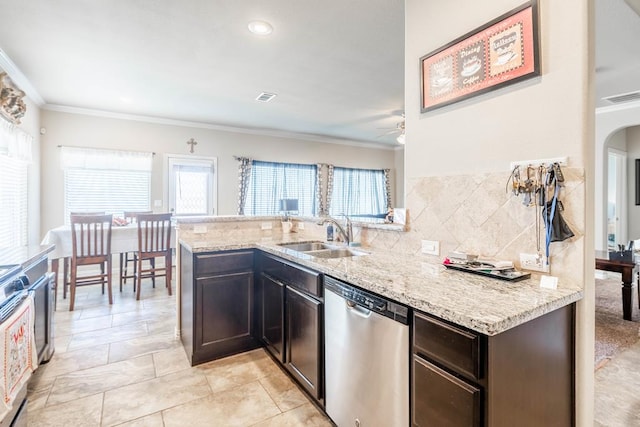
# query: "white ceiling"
[337,66]
[617,49]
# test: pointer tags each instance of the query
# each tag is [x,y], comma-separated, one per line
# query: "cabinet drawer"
[440,399]
[448,345]
[223,262]
[294,275]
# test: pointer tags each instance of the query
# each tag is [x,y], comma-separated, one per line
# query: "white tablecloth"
[123,239]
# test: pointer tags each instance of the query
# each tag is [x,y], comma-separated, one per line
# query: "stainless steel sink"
[307,246]
[322,250]
[336,253]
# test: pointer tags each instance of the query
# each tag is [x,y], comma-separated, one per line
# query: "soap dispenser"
[330,233]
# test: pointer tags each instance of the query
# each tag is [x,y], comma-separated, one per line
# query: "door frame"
[167,163]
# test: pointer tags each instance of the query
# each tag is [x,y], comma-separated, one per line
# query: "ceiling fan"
[399,129]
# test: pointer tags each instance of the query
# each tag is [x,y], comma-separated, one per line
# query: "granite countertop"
[483,304]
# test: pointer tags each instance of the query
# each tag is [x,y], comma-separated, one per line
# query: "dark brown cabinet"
[218,296]
[443,399]
[523,376]
[273,316]
[292,320]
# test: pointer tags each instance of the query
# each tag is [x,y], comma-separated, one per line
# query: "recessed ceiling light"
[261,28]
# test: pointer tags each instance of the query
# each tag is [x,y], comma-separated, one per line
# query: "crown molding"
[19,79]
[217,127]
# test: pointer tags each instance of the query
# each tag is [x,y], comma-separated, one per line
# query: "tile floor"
[122,365]
[617,390]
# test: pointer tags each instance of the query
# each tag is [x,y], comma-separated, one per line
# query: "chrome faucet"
[347,234]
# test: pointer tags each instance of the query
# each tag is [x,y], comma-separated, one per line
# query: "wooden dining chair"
[67,261]
[154,241]
[129,257]
[91,245]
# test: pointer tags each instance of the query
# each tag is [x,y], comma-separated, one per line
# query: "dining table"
[628,269]
[124,238]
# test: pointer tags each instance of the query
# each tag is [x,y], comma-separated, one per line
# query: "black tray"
[509,275]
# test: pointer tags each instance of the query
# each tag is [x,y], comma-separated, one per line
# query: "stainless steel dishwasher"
[366,358]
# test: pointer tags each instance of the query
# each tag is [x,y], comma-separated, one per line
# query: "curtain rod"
[76,146]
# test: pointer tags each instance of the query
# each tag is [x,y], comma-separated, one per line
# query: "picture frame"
[637,182]
[502,52]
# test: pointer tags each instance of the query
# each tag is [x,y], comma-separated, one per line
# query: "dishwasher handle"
[357,310]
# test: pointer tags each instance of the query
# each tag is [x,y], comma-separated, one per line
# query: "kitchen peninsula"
[503,349]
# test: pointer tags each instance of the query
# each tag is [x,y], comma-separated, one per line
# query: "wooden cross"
[192,142]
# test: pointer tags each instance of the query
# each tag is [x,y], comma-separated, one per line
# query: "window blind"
[271,181]
[13,199]
[105,180]
[358,192]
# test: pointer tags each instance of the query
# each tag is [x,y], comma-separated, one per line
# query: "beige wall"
[471,144]
[100,132]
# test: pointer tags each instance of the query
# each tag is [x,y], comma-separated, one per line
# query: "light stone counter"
[486,305]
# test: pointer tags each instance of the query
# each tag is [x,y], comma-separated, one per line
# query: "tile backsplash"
[476,214]
[469,213]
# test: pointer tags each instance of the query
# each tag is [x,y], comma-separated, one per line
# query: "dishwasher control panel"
[368,300]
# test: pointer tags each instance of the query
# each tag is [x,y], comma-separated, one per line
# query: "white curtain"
[92,158]
[14,142]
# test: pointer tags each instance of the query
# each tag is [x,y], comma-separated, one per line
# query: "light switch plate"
[157,203]
[431,247]
[266,226]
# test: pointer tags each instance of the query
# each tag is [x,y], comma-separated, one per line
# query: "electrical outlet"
[534,262]
[300,225]
[157,203]
[266,226]
[200,229]
[431,247]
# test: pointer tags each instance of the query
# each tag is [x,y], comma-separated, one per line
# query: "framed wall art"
[500,53]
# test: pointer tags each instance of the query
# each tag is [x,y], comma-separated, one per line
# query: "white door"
[192,185]
[616,199]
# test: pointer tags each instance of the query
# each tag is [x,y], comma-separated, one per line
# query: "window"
[192,185]
[15,156]
[358,192]
[105,180]
[271,182]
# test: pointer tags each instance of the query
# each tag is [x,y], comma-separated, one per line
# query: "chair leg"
[102,272]
[153,271]
[135,272]
[72,296]
[109,274]
[65,274]
[139,277]
[122,258]
[168,269]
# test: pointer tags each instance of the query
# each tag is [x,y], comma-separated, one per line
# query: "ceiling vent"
[265,97]
[623,97]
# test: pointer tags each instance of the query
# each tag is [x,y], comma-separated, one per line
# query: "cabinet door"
[273,316]
[303,339]
[441,399]
[224,316]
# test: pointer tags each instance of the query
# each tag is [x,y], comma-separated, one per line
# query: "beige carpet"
[613,333]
